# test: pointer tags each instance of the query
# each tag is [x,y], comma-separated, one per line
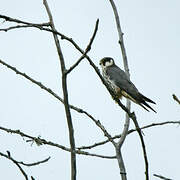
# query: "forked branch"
[65,94]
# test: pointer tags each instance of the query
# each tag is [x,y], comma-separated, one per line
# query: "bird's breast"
[112,84]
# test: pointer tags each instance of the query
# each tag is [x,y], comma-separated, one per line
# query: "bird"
[120,82]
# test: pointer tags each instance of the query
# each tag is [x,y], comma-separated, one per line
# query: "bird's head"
[106,62]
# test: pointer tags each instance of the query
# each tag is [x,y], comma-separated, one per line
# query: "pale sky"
[151,34]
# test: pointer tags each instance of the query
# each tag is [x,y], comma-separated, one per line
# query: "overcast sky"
[151,34]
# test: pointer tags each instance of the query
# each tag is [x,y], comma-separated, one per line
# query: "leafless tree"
[49,27]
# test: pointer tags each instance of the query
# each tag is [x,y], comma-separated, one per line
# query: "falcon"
[121,84]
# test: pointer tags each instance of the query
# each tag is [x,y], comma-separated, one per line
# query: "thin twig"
[65,94]
[32,178]
[129,132]
[41,141]
[35,163]
[176,98]
[161,177]
[88,48]
[98,123]
[40,26]
[8,156]
[7,18]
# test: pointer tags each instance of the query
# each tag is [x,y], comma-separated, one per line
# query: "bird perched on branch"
[121,84]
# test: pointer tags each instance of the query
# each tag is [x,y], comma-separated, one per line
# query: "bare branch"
[7,18]
[161,177]
[43,87]
[41,141]
[126,127]
[40,26]
[65,94]
[32,80]
[143,147]
[98,123]
[120,34]
[32,178]
[35,163]
[175,98]
[121,163]
[88,48]
[55,95]
[8,156]
[129,132]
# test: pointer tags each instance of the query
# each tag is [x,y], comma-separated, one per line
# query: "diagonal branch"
[98,123]
[40,141]
[43,87]
[51,92]
[7,18]
[39,26]
[161,177]
[176,98]
[35,163]
[88,48]
[129,132]
[8,156]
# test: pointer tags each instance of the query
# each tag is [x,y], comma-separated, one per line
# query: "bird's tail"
[144,105]
[146,99]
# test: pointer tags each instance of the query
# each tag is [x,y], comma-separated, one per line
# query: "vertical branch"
[65,94]
[123,50]
[121,40]
[121,163]
[128,103]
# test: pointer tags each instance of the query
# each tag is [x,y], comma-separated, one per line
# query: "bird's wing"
[128,89]
[122,81]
